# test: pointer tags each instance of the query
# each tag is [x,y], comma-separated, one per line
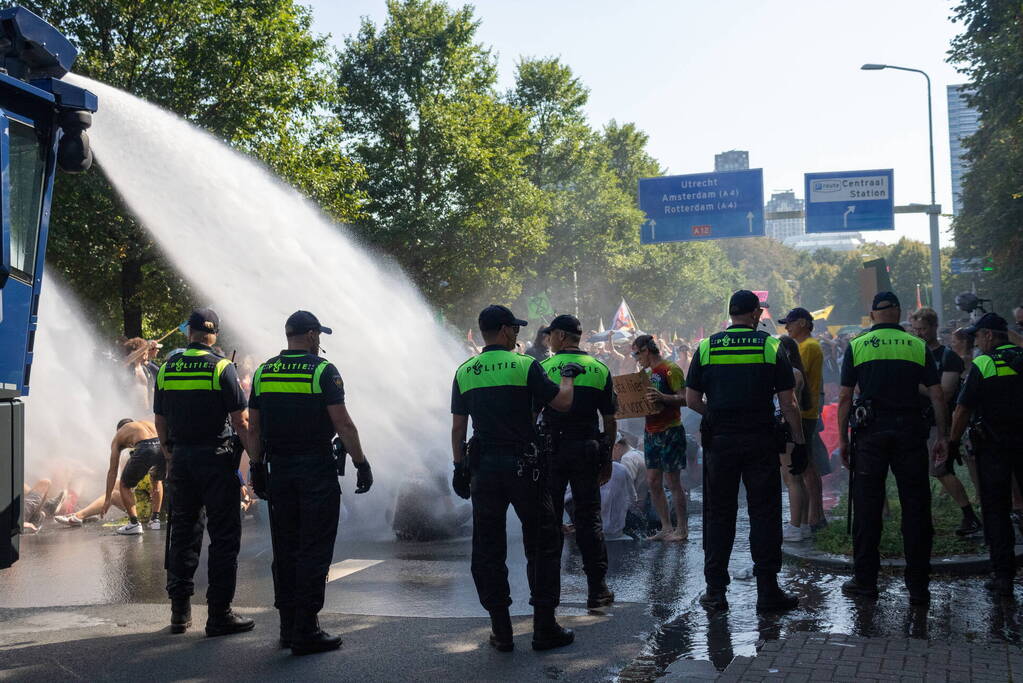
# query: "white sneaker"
[807,532]
[792,534]
[154,524]
[70,520]
[130,529]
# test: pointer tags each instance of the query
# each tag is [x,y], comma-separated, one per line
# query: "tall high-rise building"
[962,123]
[732,160]
[783,228]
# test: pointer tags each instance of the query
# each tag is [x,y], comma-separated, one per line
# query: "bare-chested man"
[146,456]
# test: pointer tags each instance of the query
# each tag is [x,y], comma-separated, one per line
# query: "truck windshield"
[27,171]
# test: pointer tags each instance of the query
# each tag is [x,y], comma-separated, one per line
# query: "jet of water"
[78,393]
[257,251]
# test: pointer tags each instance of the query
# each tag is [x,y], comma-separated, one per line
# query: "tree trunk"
[131,296]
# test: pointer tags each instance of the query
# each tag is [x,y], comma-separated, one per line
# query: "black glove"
[800,459]
[572,370]
[364,477]
[460,480]
[257,475]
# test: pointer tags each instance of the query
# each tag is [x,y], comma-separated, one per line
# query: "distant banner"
[632,400]
[823,313]
[762,295]
[624,319]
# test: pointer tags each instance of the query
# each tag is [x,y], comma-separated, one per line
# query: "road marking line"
[339,570]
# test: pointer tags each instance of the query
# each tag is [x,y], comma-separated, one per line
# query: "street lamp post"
[933,210]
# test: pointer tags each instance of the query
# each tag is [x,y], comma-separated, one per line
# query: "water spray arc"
[256,250]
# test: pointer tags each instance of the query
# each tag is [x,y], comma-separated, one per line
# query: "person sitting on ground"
[93,509]
[617,498]
[425,510]
[146,457]
[37,507]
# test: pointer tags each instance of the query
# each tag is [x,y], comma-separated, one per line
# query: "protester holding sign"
[664,441]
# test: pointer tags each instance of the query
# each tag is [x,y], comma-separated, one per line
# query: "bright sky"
[779,78]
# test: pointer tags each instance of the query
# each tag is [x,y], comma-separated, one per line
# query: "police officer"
[581,454]
[196,392]
[498,388]
[889,365]
[297,404]
[993,394]
[740,371]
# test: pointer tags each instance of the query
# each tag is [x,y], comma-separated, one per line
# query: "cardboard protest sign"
[632,400]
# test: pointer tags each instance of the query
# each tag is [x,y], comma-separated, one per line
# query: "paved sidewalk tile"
[839,657]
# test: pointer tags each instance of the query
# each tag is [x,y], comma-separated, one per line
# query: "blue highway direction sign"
[850,201]
[702,206]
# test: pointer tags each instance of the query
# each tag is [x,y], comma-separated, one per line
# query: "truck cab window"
[27,174]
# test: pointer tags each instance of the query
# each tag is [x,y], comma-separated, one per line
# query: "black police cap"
[494,316]
[882,297]
[988,321]
[204,320]
[744,301]
[565,323]
[301,322]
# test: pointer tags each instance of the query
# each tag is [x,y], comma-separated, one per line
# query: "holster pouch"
[862,414]
[782,432]
[340,453]
[472,453]
[237,448]
[230,449]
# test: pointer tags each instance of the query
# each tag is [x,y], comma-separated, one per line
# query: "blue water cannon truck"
[43,124]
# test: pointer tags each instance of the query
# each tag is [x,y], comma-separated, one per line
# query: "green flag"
[539,306]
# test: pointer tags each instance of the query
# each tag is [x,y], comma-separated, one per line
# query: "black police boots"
[309,638]
[547,632]
[600,595]
[287,627]
[714,599]
[501,630]
[181,615]
[771,598]
[222,622]
[857,589]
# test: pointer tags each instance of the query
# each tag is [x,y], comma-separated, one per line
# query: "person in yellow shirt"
[799,324]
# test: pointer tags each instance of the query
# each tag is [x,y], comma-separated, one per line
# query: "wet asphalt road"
[63,567]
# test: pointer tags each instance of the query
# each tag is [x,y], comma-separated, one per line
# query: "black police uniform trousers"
[203,477]
[899,443]
[997,462]
[575,463]
[753,458]
[495,484]
[305,500]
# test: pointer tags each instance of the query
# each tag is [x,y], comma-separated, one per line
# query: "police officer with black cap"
[581,453]
[197,403]
[297,405]
[992,395]
[888,365]
[501,466]
[740,371]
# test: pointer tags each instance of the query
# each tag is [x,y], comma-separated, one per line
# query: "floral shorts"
[665,451]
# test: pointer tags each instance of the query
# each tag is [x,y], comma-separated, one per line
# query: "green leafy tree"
[629,159]
[249,71]
[449,196]
[989,52]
